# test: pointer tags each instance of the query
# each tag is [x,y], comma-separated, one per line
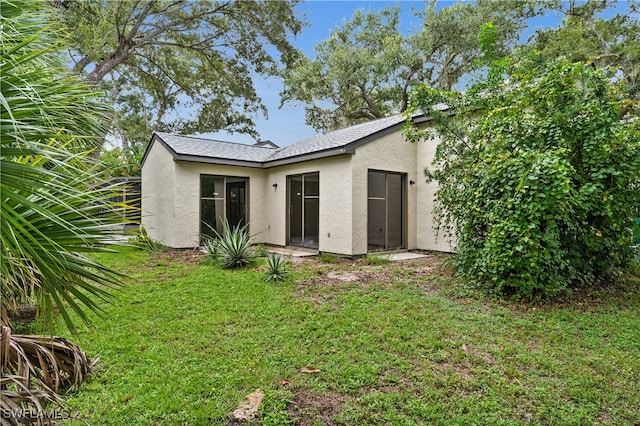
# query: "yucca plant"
[234,246]
[277,268]
[54,208]
[211,248]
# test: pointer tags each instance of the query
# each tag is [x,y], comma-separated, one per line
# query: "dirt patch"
[332,280]
[310,408]
[182,256]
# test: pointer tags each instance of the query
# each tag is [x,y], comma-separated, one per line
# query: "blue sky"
[286,125]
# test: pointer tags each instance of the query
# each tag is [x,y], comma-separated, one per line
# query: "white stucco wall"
[427,239]
[186,226]
[171,196]
[335,202]
[390,153]
[158,186]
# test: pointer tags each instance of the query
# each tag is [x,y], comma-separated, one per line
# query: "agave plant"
[277,268]
[54,209]
[233,247]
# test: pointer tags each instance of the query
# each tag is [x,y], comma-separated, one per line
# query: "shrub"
[233,248]
[211,248]
[538,180]
[277,268]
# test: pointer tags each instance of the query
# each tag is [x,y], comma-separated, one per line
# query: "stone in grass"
[247,410]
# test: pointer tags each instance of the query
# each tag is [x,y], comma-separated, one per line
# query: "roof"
[342,141]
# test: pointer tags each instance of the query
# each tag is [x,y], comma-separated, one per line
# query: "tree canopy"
[180,66]
[367,67]
[585,36]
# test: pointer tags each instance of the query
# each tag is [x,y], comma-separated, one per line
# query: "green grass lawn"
[185,342]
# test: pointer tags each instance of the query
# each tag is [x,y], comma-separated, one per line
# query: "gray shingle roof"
[207,148]
[337,138]
[193,148]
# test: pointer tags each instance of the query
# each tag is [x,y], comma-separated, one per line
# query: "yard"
[397,344]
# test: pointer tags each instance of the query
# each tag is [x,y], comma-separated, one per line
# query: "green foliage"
[233,249]
[260,250]
[180,66]
[609,42]
[539,177]
[373,259]
[142,240]
[118,162]
[366,68]
[277,268]
[211,248]
[325,257]
[55,207]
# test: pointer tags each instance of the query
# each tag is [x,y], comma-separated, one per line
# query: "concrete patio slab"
[291,252]
[396,257]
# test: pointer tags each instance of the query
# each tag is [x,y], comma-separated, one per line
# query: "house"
[349,192]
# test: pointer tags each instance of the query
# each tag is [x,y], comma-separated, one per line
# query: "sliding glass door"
[304,209]
[386,210]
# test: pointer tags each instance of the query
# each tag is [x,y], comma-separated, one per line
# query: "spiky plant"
[277,268]
[54,209]
[211,248]
[234,246]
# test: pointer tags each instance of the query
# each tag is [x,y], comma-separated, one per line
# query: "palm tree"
[54,210]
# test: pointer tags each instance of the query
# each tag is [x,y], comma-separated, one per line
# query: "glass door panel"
[295,210]
[385,210]
[304,210]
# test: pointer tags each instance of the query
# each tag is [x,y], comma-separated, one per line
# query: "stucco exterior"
[158,196]
[171,190]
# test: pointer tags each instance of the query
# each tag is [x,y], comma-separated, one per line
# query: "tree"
[612,44]
[539,176]
[52,212]
[366,68]
[180,66]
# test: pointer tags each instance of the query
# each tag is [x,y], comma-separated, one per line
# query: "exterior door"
[237,203]
[304,210]
[385,210]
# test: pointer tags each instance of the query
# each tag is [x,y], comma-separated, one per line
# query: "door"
[304,210]
[236,203]
[386,207]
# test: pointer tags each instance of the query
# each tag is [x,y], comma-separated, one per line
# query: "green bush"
[233,248]
[538,175]
[277,268]
[211,248]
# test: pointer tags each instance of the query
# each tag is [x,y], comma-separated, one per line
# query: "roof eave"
[214,160]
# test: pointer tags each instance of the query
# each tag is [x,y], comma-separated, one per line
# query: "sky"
[286,125]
